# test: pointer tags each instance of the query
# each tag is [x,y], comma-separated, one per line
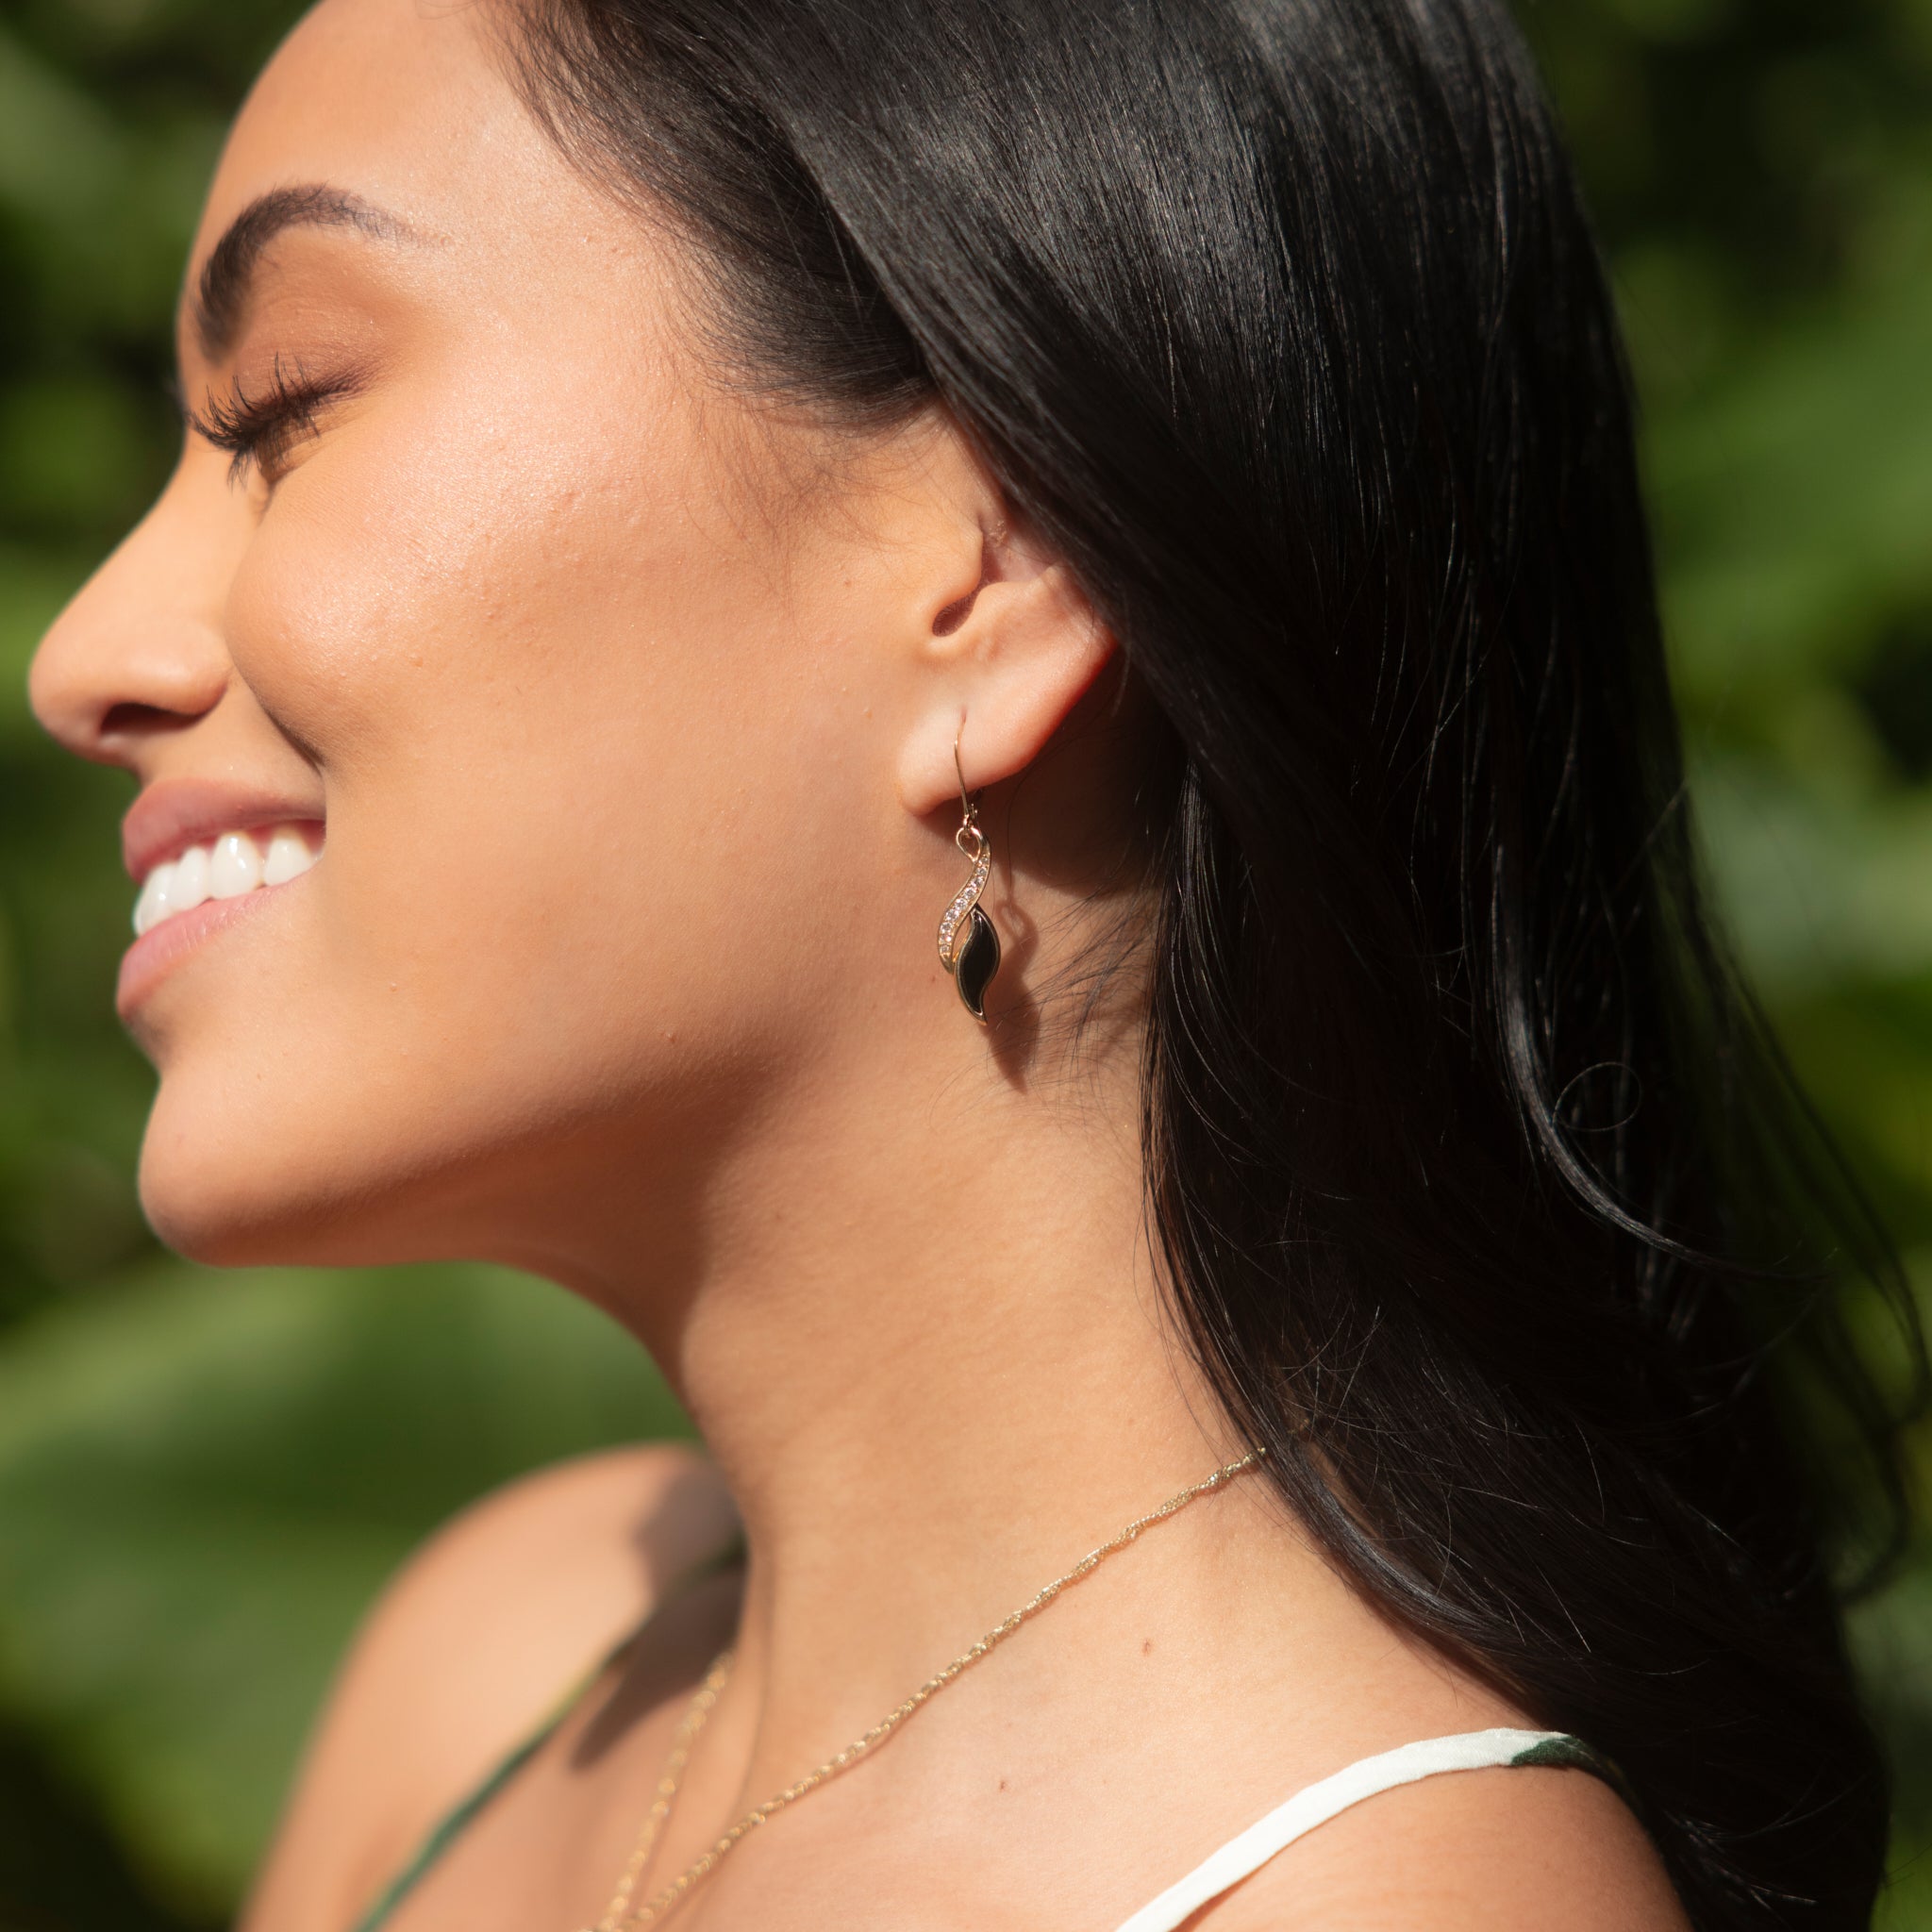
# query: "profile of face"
[566,742]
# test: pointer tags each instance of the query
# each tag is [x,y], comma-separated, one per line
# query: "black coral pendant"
[969,946]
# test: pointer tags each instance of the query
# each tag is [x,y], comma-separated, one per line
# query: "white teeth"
[234,867]
[190,880]
[152,906]
[235,864]
[289,857]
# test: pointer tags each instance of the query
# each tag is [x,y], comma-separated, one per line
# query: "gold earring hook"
[967,807]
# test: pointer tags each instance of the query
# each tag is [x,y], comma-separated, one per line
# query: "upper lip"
[174,813]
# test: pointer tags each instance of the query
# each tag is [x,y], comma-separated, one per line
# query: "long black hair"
[1491,1206]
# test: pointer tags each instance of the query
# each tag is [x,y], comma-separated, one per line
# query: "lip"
[163,947]
[174,813]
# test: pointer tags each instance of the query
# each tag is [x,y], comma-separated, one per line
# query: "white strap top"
[1319,1802]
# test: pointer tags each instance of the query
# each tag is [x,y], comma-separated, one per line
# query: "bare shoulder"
[1499,1850]
[469,1646]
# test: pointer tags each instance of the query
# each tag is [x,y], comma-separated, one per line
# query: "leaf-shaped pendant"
[971,955]
[976,961]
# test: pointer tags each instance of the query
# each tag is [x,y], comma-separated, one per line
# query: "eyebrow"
[222,291]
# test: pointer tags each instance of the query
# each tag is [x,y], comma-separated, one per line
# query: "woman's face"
[582,678]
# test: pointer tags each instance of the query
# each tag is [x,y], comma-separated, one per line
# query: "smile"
[227,867]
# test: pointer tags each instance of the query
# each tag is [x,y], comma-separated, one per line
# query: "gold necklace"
[620,1915]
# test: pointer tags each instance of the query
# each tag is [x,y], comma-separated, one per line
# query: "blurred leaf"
[1796,503]
[59,149]
[205,1479]
[1675,20]
[1817,886]
[61,1869]
[72,450]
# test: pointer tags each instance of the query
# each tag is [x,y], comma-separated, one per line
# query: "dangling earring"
[972,956]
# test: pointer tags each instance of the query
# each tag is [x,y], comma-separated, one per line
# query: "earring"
[972,957]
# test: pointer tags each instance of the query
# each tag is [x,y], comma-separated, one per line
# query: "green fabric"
[454,1821]
[451,1823]
[1573,1754]
[1565,1751]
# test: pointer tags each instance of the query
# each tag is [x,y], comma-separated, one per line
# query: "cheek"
[525,650]
[579,833]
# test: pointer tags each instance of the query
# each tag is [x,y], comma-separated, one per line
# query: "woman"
[678,497]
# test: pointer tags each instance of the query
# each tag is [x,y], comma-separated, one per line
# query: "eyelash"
[263,429]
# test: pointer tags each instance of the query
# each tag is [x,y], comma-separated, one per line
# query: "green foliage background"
[204,1477]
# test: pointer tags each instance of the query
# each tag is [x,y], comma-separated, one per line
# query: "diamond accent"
[964,901]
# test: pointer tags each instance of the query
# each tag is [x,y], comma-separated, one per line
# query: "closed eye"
[265,428]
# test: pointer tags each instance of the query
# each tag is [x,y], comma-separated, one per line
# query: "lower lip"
[161,948]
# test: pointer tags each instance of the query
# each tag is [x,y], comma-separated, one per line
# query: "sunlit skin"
[624,712]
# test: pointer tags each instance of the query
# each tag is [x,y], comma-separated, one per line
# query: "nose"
[137,654]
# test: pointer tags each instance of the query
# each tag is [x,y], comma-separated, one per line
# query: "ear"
[1010,655]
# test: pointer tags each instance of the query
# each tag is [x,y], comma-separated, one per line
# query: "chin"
[214,1226]
[244,1195]
[252,1172]
[205,1211]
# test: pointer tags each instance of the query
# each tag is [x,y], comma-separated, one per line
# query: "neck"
[929,1348]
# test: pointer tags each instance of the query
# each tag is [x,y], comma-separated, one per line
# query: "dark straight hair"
[1489,1204]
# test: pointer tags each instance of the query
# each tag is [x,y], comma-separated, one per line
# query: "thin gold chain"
[621,1916]
[694,1715]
